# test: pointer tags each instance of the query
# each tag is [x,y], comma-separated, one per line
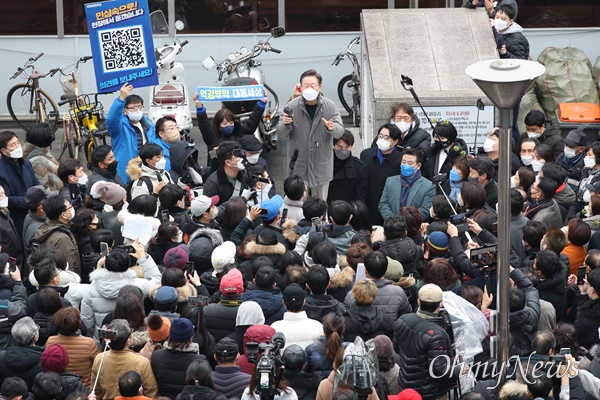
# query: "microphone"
[278,341]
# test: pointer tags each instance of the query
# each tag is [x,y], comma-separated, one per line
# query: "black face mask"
[438,145]
[112,167]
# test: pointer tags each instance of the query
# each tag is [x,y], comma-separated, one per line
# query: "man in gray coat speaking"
[311,121]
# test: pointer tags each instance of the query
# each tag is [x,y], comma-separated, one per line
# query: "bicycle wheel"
[67,140]
[345,93]
[22,108]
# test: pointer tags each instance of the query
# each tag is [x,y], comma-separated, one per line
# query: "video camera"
[485,257]
[267,378]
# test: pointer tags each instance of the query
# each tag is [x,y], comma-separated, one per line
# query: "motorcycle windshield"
[160,29]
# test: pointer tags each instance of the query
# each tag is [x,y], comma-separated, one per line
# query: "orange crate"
[580,113]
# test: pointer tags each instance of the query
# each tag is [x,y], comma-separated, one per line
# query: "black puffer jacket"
[587,321]
[47,328]
[423,346]
[193,392]
[366,322]
[70,383]
[403,250]
[11,242]
[318,306]
[169,367]
[550,137]
[201,244]
[553,290]
[304,384]
[220,317]
[416,138]
[523,323]
[22,362]
[459,148]
[516,43]
[391,300]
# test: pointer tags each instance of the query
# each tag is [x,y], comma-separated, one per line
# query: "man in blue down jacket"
[227,377]
[129,129]
[426,357]
[313,124]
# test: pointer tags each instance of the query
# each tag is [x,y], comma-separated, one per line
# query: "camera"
[484,257]
[199,301]
[458,219]
[267,377]
[107,334]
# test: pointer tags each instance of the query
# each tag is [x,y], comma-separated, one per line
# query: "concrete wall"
[300,51]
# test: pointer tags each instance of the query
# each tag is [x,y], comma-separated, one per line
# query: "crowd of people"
[156,277]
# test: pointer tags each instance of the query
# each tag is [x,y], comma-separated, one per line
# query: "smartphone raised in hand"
[104,249]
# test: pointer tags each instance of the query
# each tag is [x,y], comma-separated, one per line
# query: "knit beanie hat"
[158,328]
[384,348]
[181,331]
[177,257]
[55,358]
[111,192]
[437,243]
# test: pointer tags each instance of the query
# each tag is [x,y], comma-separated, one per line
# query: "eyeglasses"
[170,128]
[135,108]
[69,208]
[386,137]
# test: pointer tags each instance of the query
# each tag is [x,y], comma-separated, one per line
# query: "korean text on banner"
[230,93]
[121,42]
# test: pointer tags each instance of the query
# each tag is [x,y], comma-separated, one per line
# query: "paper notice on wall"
[464,119]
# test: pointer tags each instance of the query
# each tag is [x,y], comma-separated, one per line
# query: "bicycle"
[349,85]
[27,103]
[85,118]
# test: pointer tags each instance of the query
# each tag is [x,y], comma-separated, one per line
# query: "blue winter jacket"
[166,148]
[123,137]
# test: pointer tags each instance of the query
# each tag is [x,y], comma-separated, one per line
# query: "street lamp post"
[504,82]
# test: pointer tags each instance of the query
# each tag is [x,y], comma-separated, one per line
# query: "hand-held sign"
[328,124]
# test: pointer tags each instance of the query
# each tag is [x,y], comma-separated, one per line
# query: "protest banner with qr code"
[121,42]
[230,93]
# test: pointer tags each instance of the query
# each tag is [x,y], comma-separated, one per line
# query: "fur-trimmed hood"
[288,230]
[595,351]
[342,280]
[183,292]
[252,248]
[212,234]
[134,168]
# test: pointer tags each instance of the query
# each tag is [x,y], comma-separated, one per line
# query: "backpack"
[138,182]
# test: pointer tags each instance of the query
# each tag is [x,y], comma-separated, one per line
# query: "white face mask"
[240,165]
[488,145]
[460,201]
[72,212]
[533,135]
[513,184]
[135,116]
[536,165]
[589,162]
[526,160]
[161,164]
[383,144]
[587,196]
[310,94]
[17,153]
[83,180]
[214,213]
[500,24]
[253,159]
[403,126]
[569,153]
[4,202]
[180,237]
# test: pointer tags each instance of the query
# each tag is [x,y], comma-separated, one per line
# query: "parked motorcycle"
[170,96]
[242,69]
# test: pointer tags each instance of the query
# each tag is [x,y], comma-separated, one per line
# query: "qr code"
[122,49]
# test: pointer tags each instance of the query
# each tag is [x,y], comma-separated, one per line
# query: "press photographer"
[267,381]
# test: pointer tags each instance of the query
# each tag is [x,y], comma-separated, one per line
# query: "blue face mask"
[454,175]
[407,170]
[227,130]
